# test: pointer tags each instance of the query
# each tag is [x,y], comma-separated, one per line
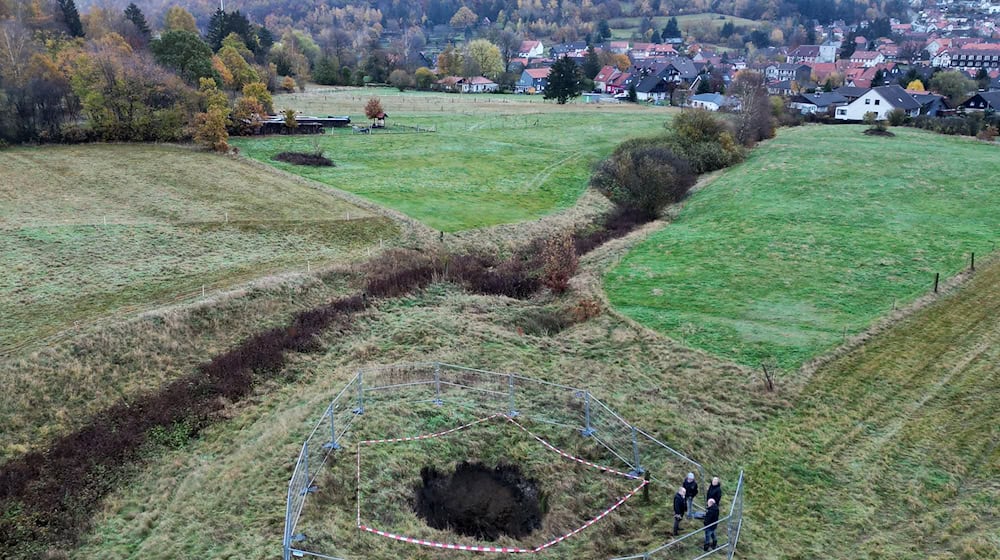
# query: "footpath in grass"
[500,164]
[819,233]
[90,230]
[893,450]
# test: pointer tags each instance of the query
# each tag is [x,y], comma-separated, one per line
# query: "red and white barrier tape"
[430,436]
[505,549]
[500,549]
[469,548]
[567,455]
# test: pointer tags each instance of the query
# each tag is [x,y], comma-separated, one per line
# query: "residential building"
[879,100]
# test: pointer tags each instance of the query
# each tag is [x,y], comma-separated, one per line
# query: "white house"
[879,100]
[530,49]
[941,60]
[477,84]
[708,101]
[867,58]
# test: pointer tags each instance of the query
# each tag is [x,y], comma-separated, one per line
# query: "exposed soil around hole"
[877,132]
[301,158]
[479,502]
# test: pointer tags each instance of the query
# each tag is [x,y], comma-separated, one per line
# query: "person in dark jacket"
[711,518]
[715,491]
[691,489]
[680,506]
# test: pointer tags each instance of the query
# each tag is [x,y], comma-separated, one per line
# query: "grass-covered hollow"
[94,229]
[821,231]
[500,164]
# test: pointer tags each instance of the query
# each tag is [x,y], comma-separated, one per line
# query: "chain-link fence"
[570,414]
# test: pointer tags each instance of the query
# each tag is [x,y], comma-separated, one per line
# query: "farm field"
[626,27]
[811,240]
[90,230]
[491,160]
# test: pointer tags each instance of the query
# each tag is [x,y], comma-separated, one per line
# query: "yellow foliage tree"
[916,85]
[258,90]
[210,130]
[179,19]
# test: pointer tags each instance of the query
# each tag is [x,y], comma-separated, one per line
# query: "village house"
[867,58]
[533,80]
[708,101]
[530,49]
[880,101]
[983,101]
[812,103]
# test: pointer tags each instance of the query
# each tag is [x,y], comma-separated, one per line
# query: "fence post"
[588,430]
[637,469]
[512,412]
[332,444]
[437,384]
[361,393]
[309,489]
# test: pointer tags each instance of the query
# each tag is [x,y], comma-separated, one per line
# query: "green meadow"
[820,232]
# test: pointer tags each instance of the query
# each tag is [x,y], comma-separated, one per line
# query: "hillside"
[810,240]
[893,451]
[91,230]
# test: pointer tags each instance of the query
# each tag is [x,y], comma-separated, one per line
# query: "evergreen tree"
[71,17]
[564,81]
[134,14]
[655,37]
[727,30]
[878,79]
[591,64]
[603,30]
[216,30]
[671,30]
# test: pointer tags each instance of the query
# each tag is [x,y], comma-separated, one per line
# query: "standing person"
[711,518]
[715,491]
[680,506]
[691,489]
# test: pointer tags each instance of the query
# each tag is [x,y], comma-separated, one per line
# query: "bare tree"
[754,121]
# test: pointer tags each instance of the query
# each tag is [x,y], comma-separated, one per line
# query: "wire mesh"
[557,412]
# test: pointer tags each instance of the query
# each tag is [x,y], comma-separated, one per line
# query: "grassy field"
[491,160]
[812,239]
[90,230]
[626,27]
[893,451]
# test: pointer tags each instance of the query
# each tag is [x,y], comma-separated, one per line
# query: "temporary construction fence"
[566,410]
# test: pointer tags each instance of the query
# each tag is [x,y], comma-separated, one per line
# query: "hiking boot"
[706,547]
[715,545]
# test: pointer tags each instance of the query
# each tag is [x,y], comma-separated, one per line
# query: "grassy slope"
[625,27]
[811,237]
[893,450]
[166,232]
[223,495]
[491,162]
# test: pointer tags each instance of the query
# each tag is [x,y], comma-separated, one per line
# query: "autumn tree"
[754,121]
[179,19]
[290,120]
[564,81]
[373,108]
[486,56]
[400,79]
[241,71]
[464,17]
[258,91]
[210,126]
[449,62]
[915,85]
[248,115]
[559,262]
[424,77]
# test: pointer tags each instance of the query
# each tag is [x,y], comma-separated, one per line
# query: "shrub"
[559,262]
[315,159]
[897,117]
[705,140]
[643,176]
[988,134]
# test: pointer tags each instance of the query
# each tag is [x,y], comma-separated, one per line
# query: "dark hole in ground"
[479,501]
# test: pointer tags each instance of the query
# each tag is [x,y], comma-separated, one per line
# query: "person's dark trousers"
[710,538]
[677,524]
[690,502]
